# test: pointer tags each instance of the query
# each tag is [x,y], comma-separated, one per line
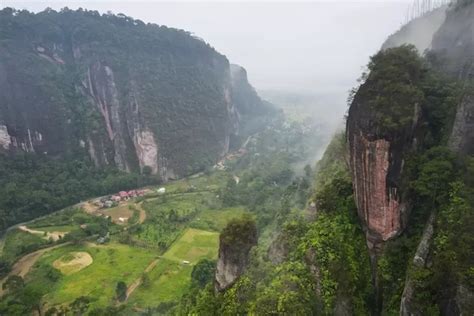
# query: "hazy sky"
[316,46]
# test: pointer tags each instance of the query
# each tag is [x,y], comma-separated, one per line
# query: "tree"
[80,305]
[203,272]
[14,283]
[121,291]
[146,282]
[436,172]
[4,267]
[308,171]
[147,170]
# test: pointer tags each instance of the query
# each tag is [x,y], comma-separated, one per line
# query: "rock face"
[420,262]
[378,202]
[453,47]
[119,91]
[235,242]
[419,31]
[376,163]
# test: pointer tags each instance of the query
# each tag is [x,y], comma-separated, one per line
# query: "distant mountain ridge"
[137,96]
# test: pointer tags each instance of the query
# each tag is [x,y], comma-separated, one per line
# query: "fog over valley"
[236,158]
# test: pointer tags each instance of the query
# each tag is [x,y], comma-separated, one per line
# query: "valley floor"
[167,263]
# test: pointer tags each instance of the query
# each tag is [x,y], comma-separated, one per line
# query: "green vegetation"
[31,186]
[121,291]
[169,214]
[182,225]
[18,243]
[239,234]
[203,272]
[399,87]
[106,270]
[184,107]
[170,279]
[216,220]
[193,246]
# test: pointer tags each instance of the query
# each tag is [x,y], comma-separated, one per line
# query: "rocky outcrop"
[452,49]
[378,202]
[235,242]
[420,261]
[376,163]
[419,31]
[250,110]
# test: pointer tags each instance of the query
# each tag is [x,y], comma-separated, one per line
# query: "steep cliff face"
[398,115]
[452,49]
[250,109]
[419,31]
[235,242]
[378,141]
[131,95]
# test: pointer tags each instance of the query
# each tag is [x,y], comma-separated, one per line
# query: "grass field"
[216,220]
[18,243]
[73,262]
[194,245]
[58,228]
[200,183]
[182,203]
[111,263]
[170,278]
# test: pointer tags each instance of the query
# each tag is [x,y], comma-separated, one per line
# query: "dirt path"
[24,265]
[142,216]
[53,235]
[138,281]
[89,207]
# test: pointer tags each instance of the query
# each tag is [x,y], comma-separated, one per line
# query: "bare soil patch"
[55,236]
[73,262]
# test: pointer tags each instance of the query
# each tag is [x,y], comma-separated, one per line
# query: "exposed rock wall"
[235,243]
[378,202]
[376,163]
[122,92]
[419,31]
[453,47]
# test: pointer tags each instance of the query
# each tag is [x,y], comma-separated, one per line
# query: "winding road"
[24,265]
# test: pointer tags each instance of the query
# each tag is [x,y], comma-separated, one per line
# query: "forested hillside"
[94,96]
[388,228]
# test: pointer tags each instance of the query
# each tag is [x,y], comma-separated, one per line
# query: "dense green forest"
[93,103]
[31,186]
[258,234]
[326,267]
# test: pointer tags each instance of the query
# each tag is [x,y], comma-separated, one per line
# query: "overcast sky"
[316,46]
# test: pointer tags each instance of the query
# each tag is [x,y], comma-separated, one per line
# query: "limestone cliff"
[235,242]
[126,94]
[452,51]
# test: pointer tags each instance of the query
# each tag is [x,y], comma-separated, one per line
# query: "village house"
[161,190]
[123,195]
